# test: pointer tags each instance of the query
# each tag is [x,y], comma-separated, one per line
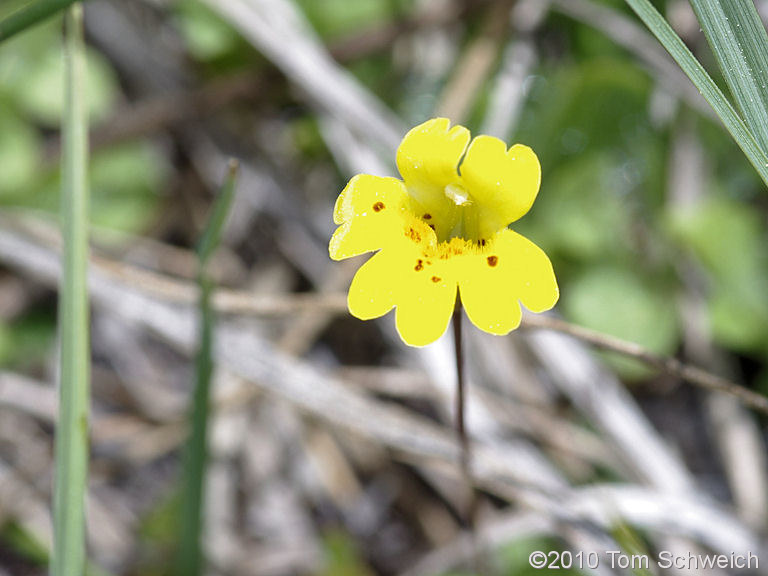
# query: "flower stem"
[465,452]
[461,431]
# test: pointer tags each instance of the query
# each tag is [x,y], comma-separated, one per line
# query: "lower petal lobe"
[424,311]
[374,288]
[408,275]
[492,283]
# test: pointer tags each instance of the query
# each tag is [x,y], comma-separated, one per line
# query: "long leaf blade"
[212,234]
[74,359]
[30,15]
[698,75]
[740,43]
[191,561]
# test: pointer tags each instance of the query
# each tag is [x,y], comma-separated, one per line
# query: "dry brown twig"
[667,364]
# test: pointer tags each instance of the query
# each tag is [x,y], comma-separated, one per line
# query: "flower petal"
[422,288]
[503,183]
[373,291]
[510,269]
[428,159]
[369,209]
[424,307]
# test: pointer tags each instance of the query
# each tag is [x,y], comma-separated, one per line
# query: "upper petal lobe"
[503,183]
[428,160]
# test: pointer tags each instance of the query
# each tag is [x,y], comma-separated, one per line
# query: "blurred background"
[332,449]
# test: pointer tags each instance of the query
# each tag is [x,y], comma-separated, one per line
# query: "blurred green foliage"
[127,180]
[341,556]
[28,340]
[729,240]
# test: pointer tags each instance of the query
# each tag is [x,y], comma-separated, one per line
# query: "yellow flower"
[445,226]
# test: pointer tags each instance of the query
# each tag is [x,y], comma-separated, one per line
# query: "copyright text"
[665,559]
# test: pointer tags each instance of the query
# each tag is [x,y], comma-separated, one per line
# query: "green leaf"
[207,36]
[19,153]
[623,303]
[332,18]
[728,239]
[740,43]
[30,15]
[341,556]
[71,473]
[219,213]
[125,181]
[698,75]
[38,89]
[739,316]
[26,341]
[584,214]
[191,561]
[725,234]
[597,105]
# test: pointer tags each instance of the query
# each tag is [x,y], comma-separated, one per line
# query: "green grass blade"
[740,43]
[30,15]
[712,94]
[212,234]
[74,361]
[190,562]
[190,551]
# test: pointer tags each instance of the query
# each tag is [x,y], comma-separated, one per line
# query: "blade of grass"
[190,561]
[30,15]
[698,75]
[740,43]
[74,356]
[218,217]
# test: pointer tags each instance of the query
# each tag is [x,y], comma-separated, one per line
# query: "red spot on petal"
[413,235]
[436,279]
[492,261]
[378,207]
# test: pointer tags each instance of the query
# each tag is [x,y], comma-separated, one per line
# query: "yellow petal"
[425,306]
[373,290]
[502,183]
[428,160]
[511,269]
[422,288]
[369,209]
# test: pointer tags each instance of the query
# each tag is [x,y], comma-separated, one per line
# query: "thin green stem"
[74,360]
[191,559]
[31,15]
